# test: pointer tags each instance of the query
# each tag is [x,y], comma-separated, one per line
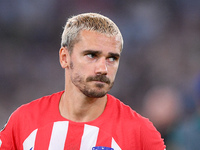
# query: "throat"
[81,110]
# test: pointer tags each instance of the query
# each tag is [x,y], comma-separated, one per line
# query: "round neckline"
[89,122]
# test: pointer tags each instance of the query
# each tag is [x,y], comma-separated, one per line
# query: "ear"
[64,57]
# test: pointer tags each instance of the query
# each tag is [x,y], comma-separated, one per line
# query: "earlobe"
[63,56]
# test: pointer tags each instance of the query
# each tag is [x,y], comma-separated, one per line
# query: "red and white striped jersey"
[39,126]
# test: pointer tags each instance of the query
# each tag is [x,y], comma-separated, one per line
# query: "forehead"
[98,41]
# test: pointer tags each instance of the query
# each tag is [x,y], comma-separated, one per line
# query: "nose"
[101,67]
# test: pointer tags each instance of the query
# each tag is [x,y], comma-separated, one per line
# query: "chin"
[94,94]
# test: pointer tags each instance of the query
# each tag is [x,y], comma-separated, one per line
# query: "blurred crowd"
[159,72]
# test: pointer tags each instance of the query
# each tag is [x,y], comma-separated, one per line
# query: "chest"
[63,135]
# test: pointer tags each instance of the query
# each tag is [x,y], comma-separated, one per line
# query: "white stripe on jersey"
[115,146]
[89,137]
[0,142]
[30,141]
[58,135]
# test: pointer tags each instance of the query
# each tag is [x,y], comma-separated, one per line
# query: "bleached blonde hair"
[88,21]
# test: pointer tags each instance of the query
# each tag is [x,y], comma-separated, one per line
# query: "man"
[84,116]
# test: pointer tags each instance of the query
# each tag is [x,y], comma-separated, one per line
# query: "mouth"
[99,79]
[99,82]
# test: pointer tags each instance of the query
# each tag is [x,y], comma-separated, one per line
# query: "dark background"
[159,73]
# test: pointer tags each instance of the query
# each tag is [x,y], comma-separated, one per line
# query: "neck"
[80,108]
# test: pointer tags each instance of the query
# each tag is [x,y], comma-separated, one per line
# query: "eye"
[112,59]
[90,55]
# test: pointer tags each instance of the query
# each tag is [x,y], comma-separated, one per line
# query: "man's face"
[94,63]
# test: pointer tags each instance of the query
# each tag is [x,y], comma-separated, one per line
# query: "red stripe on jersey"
[104,139]
[43,137]
[74,135]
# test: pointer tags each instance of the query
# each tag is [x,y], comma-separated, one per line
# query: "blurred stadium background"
[159,73]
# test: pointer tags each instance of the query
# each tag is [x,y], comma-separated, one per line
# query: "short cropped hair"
[88,21]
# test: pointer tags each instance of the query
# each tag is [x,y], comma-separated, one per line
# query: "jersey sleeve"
[151,138]
[7,134]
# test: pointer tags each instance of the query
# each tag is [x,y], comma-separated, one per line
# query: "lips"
[100,78]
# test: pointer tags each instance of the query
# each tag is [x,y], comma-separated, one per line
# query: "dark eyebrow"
[110,54]
[92,52]
[116,55]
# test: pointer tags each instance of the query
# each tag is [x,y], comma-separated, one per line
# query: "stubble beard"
[86,89]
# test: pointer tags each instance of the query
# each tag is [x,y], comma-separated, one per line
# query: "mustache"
[101,78]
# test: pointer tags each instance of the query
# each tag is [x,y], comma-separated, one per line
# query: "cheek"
[71,65]
[77,72]
[77,78]
[113,72]
[79,64]
[75,65]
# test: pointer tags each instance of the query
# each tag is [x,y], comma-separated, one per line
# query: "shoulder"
[129,118]
[40,103]
[126,112]
[32,114]
[26,118]
[135,125]
[35,109]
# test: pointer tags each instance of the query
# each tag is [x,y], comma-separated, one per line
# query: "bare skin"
[89,74]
